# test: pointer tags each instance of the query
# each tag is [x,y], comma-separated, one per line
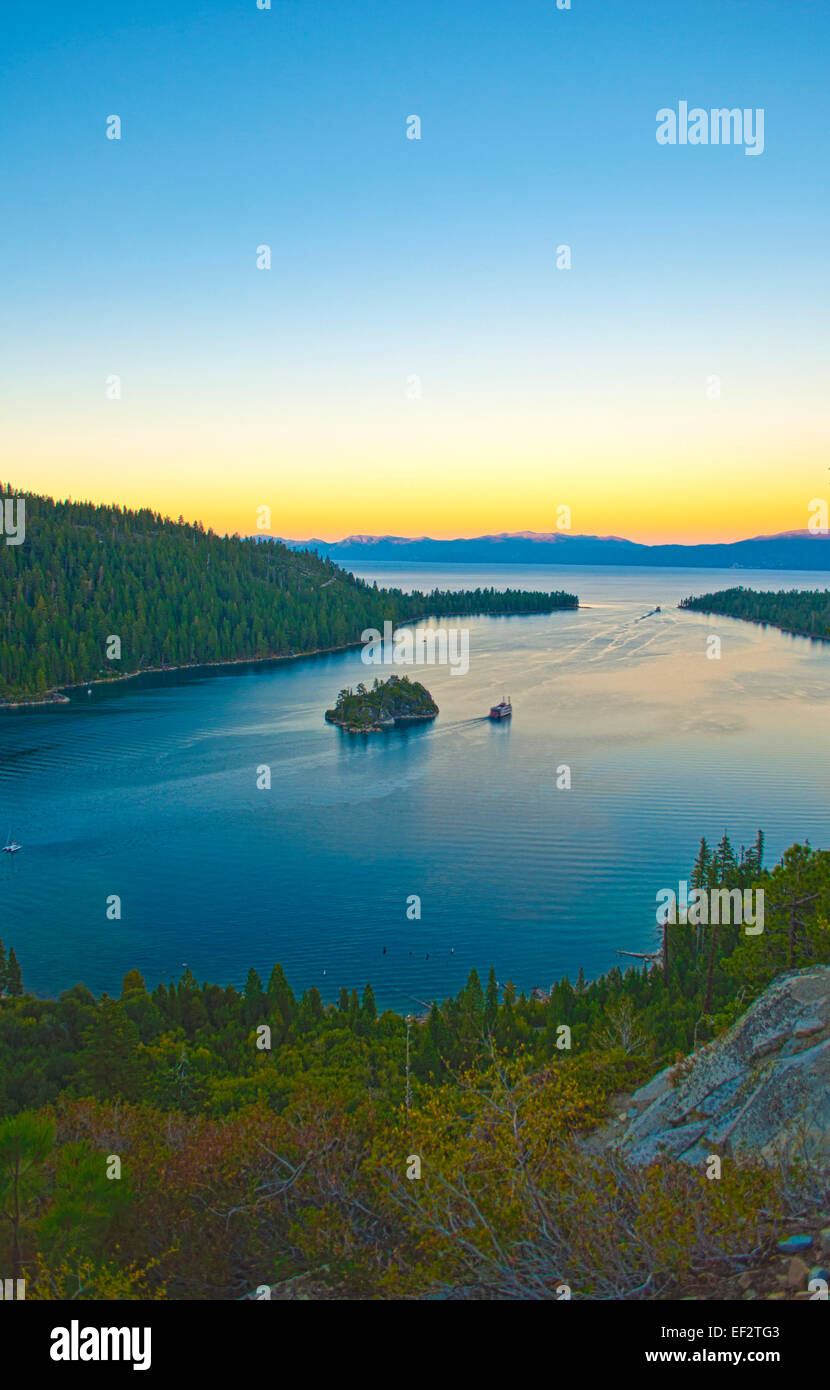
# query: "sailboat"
[11,846]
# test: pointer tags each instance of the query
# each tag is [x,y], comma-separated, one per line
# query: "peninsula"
[175,595]
[804,612]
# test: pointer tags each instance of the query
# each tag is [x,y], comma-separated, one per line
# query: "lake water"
[147,790]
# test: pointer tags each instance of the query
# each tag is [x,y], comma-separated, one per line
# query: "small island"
[389,703]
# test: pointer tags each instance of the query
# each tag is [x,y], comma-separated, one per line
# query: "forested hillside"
[244,1165]
[175,594]
[804,611]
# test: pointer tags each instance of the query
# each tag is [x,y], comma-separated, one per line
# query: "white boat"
[11,846]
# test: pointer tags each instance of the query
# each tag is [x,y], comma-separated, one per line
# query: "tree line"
[803,611]
[176,594]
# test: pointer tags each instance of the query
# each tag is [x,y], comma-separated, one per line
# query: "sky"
[415,361]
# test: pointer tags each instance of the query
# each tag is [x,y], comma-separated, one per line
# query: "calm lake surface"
[147,790]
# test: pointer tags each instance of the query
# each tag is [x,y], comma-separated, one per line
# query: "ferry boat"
[503,710]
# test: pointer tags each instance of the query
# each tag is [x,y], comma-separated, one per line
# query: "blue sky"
[286,127]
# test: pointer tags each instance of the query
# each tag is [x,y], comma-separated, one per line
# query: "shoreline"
[55,696]
[756,622]
[397,721]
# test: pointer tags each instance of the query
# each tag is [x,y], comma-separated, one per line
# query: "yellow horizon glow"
[688,476]
[671,519]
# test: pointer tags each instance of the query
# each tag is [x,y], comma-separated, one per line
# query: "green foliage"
[192,1046]
[25,1143]
[270,1165]
[397,698]
[110,1062]
[178,595]
[804,611]
[14,978]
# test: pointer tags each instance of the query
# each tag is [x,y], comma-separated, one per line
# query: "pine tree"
[491,999]
[26,1141]
[725,860]
[472,997]
[133,983]
[254,996]
[369,1006]
[14,978]
[4,969]
[253,986]
[699,874]
[281,994]
[110,1064]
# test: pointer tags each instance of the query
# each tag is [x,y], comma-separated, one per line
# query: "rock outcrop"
[762,1088]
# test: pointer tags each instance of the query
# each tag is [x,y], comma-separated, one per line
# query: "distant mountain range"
[793,550]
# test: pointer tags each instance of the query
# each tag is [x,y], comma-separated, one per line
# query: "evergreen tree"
[369,1006]
[255,998]
[699,875]
[472,997]
[281,994]
[491,999]
[14,978]
[133,983]
[725,860]
[83,1202]
[26,1141]
[110,1063]
[253,986]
